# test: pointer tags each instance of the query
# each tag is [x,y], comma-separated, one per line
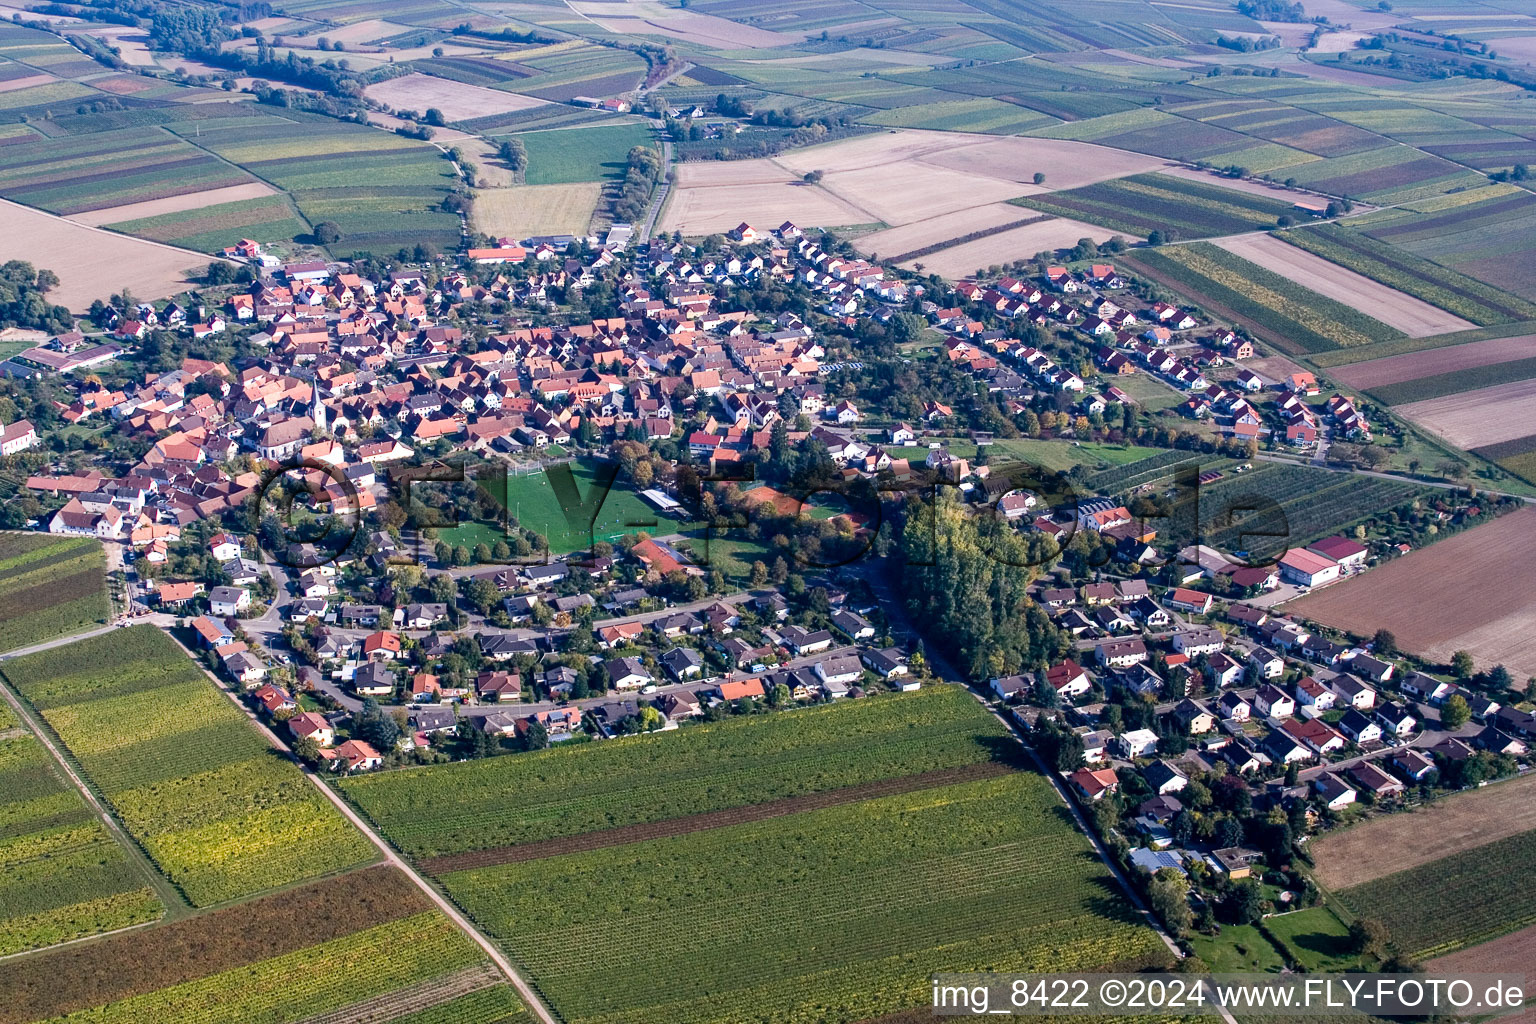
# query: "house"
[382,645]
[619,634]
[498,686]
[802,641]
[1185,600]
[1193,717]
[373,680]
[1414,766]
[1314,733]
[227,601]
[1333,791]
[1068,679]
[1274,702]
[1281,747]
[1307,568]
[212,633]
[855,626]
[1195,642]
[1234,708]
[1373,780]
[1092,783]
[1012,687]
[1096,745]
[353,756]
[1135,743]
[740,688]
[1425,687]
[1266,663]
[626,673]
[1353,692]
[1164,778]
[422,616]
[307,725]
[1314,695]
[843,669]
[1122,653]
[887,662]
[274,699]
[682,663]
[1396,719]
[1374,669]
[1223,670]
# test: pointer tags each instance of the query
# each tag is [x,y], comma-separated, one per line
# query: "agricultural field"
[1406,595]
[599,153]
[1389,843]
[1451,359]
[50,587]
[189,778]
[1004,247]
[457,101]
[1314,502]
[174,204]
[935,232]
[1289,316]
[438,813]
[1518,455]
[367,946]
[1460,900]
[916,847]
[1413,317]
[1476,419]
[1391,174]
[1400,269]
[1178,207]
[62,875]
[1485,376]
[1486,233]
[212,228]
[1490,958]
[523,210]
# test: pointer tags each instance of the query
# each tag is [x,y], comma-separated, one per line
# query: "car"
[648,688]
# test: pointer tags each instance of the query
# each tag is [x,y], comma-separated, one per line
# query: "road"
[22,652]
[663,189]
[524,990]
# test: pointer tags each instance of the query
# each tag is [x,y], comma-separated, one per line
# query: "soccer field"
[533,503]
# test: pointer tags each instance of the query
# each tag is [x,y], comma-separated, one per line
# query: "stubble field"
[1473,419]
[523,210]
[1472,592]
[457,101]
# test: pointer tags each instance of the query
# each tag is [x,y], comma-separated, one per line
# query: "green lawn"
[1149,392]
[1316,938]
[564,155]
[1238,949]
[1063,455]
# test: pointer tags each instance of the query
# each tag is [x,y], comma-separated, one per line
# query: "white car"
[648,688]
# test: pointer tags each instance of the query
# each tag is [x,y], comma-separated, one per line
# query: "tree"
[1039,177]
[434,117]
[327,232]
[1461,664]
[1368,936]
[1246,902]
[514,154]
[1384,643]
[1454,712]
[1168,895]
[373,726]
[536,737]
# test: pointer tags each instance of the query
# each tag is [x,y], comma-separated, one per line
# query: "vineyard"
[198,789]
[62,876]
[1458,901]
[434,811]
[847,910]
[50,587]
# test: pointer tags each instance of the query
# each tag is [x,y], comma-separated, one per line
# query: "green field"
[903,841]
[533,504]
[1316,938]
[212,228]
[1178,207]
[1284,313]
[62,876]
[50,586]
[564,155]
[1458,901]
[1486,233]
[196,786]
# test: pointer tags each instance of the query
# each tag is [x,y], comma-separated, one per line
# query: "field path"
[524,990]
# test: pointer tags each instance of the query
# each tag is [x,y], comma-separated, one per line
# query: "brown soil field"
[1414,317]
[26,83]
[172,204]
[1375,373]
[1476,418]
[640,17]
[1472,592]
[710,819]
[523,210]
[1065,164]
[765,205]
[1512,952]
[1396,842]
[933,230]
[456,100]
[1007,246]
[146,960]
[92,263]
[901,193]
[712,173]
